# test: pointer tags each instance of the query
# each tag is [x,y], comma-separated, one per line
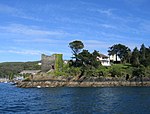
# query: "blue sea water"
[64,100]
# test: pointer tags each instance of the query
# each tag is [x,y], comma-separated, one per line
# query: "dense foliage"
[120,50]
[141,57]
[134,63]
[58,62]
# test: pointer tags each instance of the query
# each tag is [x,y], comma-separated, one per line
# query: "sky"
[29,28]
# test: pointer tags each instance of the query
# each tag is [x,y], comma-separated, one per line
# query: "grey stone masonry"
[48,62]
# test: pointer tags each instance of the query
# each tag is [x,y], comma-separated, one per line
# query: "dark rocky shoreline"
[83,82]
[79,84]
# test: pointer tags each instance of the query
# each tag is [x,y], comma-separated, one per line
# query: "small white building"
[113,58]
[65,61]
[105,61]
[33,72]
[19,78]
[39,64]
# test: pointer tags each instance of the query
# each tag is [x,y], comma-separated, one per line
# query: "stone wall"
[53,62]
[48,62]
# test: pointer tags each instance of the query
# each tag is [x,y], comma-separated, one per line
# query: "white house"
[105,61]
[113,58]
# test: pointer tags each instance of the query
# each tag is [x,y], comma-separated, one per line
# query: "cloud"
[24,16]
[26,52]
[135,2]
[2,51]
[96,44]
[145,26]
[107,12]
[35,52]
[108,26]
[17,12]
[41,40]
[7,9]
[30,30]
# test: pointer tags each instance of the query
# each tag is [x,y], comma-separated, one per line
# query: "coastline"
[3,80]
[80,84]
[90,82]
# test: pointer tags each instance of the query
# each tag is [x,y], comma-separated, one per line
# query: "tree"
[119,50]
[147,53]
[85,58]
[95,63]
[76,47]
[145,56]
[143,52]
[128,56]
[135,57]
[89,60]
[143,60]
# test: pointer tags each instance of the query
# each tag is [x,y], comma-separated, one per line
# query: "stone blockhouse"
[53,62]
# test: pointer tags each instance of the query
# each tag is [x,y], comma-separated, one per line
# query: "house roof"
[102,55]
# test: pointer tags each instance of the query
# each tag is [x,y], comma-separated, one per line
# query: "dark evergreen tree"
[85,58]
[95,62]
[76,47]
[135,57]
[119,50]
[89,60]
[146,62]
[142,52]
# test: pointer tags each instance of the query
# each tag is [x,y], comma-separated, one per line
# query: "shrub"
[103,71]
[115,71]
[74,71]
[147,71]
[27,79]
[90,72]
[60,73]
[139,72]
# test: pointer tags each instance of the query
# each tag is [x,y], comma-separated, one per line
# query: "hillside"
[11,68]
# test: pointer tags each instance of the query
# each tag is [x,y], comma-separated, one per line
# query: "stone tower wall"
[48,62]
